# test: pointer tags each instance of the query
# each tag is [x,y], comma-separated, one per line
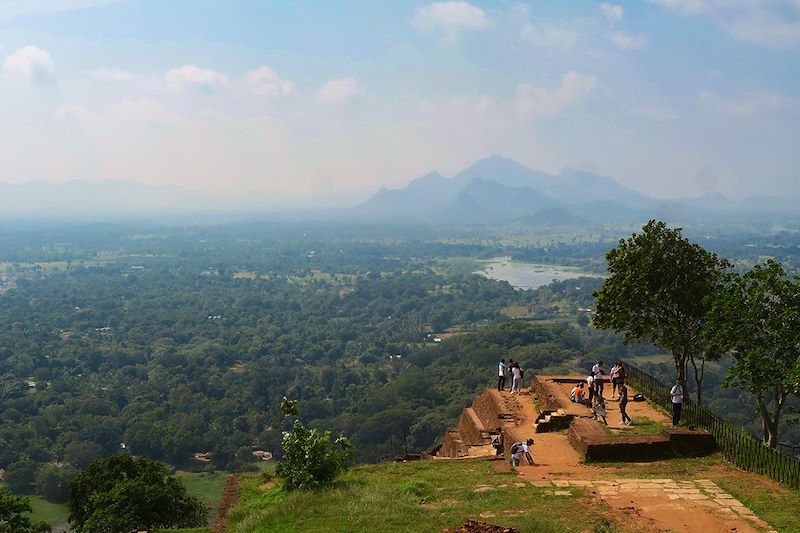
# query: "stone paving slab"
[700,491]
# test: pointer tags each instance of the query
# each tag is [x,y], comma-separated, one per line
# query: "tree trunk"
[770,422]
[699,374]
[680,366]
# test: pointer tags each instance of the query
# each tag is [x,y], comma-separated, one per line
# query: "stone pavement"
[702,492]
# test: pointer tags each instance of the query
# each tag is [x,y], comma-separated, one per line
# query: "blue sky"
[326,99]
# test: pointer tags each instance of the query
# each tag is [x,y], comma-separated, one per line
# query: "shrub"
[311,459]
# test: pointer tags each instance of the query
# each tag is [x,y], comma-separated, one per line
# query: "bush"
[311,460]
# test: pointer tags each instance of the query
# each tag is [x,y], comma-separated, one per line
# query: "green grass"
[677,468]
[206,486]
[51,513]
[189,530]
[516,311]
[643,426]
[416,497]
[775,504]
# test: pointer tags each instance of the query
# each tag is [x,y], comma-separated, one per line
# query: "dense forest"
[166,341]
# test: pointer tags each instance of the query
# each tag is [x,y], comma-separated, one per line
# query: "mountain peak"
[497,163]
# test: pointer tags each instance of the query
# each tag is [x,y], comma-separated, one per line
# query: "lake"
[529,275]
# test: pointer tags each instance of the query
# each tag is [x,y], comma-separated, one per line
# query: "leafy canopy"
[756,316]
[14,514]
[657,290]
[119,494]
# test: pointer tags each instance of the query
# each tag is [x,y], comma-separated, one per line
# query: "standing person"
[614,373]
[621,374]
[677,402]
[516,378]
[590,382]
[519,449]
[599,409]
[501,381]
[623,403]
[597,372]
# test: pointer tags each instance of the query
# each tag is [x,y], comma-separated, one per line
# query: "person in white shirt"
[516,379]
[522,448]
[597,372]
[677,402]
[614,373]
[590,382]
[501,381]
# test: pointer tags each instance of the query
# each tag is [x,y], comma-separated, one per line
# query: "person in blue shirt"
[501,380]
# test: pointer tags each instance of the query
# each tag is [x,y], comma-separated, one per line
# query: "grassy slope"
[409,497]
[205,486]
[51,513]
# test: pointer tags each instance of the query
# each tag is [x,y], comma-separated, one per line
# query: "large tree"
[15,514]
[119,494]
[658,291]
[756,316]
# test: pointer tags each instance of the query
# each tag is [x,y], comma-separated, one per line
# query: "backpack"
[515,448]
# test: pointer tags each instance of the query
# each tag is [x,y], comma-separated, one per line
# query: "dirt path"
[645,504]
[230,497]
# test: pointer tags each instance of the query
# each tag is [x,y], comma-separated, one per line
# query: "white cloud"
[191,76]
[31,64]
[265,82]
[751,103]
[338,91]
[452,18]
[536,102]
[774,23]
[628,41]
[549,37]
[612,11]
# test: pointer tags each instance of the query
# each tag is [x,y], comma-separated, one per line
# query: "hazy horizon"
[312,104]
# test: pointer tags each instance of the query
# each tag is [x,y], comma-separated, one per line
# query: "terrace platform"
[544,407]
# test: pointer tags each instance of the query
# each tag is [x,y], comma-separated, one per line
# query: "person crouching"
[520,449]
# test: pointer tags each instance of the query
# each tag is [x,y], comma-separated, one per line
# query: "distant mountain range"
[492,191]
[498,190]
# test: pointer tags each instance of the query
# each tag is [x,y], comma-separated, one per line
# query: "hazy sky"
[671,97]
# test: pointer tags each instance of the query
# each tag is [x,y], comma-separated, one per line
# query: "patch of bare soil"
[556,458]
[473,526]
[230,497]
[657,513]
